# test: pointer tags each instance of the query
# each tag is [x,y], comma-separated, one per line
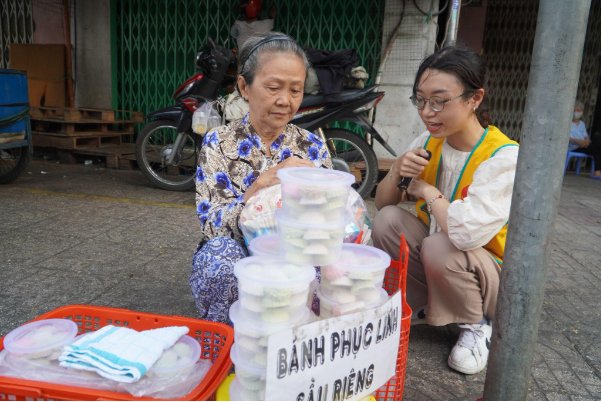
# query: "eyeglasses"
[437,103]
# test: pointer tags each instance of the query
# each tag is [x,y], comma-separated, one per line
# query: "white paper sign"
[345,357]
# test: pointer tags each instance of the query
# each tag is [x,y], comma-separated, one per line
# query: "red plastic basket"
[215,339]
[395,279]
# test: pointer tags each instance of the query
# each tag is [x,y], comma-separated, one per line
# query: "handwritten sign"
[340,358]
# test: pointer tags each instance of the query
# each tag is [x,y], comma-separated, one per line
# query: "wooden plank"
[128,162]
[384,164]
[110,149]
[6,138]
[72,142]
[88,129]
[82,120]
[74,115]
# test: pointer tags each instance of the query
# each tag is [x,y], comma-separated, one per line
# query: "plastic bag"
[46,370]
[236,107]
[205,118]
[257,217]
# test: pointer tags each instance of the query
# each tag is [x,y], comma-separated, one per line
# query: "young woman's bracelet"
[428,206]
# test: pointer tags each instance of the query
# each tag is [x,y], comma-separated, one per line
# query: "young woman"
[463,203]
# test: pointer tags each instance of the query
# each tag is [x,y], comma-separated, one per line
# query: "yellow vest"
[491,141]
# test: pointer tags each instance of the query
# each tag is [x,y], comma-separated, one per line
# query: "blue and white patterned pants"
[214,286]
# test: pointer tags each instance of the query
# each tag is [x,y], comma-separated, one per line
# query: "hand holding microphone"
[412,165]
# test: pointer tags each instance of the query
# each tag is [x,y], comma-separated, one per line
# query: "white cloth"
[241,30]
[236,107]
[120,354]
[474,221]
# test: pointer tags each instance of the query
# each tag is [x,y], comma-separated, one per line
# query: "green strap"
[439,171]
[14,118]
[466,163]
[507,145]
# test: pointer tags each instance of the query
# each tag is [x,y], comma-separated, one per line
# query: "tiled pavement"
[59,246]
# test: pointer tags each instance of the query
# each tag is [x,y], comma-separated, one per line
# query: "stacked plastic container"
[272,297]
[354,282]
[311,222]
[41,339]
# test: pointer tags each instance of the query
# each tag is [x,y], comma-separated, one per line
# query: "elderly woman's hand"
[269,177]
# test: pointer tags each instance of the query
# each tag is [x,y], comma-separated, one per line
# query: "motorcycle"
[167,149]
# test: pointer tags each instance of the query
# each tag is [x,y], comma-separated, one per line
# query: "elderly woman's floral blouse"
[232,157]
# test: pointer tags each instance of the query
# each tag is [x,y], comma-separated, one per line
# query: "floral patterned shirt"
[231,158]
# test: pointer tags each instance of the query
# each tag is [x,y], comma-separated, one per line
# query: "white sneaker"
[469,355]
[418,316]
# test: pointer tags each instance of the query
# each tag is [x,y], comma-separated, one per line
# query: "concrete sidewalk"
[85,235]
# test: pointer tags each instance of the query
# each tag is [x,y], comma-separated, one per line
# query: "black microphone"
[405,181]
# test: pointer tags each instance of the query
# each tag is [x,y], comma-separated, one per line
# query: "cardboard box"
[46,71]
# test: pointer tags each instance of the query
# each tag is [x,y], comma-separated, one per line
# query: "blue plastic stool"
[578,155]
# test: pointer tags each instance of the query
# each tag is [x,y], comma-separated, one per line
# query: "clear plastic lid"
[281,217]
[245,365]
[360,257]
[315,177]
[273,271]
[264,329]
[183,354]
[40,336]
[234,391]
[265,245]
[324,301]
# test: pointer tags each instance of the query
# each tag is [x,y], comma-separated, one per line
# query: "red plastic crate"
[216,340]
[395,279]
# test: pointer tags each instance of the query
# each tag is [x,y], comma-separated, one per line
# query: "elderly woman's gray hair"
[579,103]
[248,61]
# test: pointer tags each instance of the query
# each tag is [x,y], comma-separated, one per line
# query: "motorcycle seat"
[347,95]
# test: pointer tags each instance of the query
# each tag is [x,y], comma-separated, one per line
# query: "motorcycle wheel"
[13,162]
[154,144]
[352,154]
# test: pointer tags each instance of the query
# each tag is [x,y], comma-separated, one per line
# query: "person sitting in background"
[249,22]
[581,142]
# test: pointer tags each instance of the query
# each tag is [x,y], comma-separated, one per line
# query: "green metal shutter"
[16,26]
[155,41]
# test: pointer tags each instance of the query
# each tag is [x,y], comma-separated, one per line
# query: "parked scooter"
[167,149]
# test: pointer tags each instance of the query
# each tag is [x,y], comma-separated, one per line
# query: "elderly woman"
[580,140]
[243,157]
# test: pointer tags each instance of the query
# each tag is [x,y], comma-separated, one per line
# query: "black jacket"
[331,67]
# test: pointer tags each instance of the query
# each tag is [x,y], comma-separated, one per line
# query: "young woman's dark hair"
[468,68]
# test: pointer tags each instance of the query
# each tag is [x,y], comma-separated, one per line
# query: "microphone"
[405,181]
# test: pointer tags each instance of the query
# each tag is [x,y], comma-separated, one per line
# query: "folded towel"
[120,354]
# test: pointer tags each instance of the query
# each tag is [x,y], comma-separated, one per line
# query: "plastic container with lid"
[265,245]
[272,291]
[251,378]
[43,338]
[251,337]
[178,359]
[314,195]
[329,308]
[238,393]
[357,275]
[309,243]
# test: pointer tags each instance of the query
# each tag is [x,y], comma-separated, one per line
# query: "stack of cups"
[354,282]
[311,222]
[272,297]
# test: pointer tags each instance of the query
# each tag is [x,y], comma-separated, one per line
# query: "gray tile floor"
[65,239]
